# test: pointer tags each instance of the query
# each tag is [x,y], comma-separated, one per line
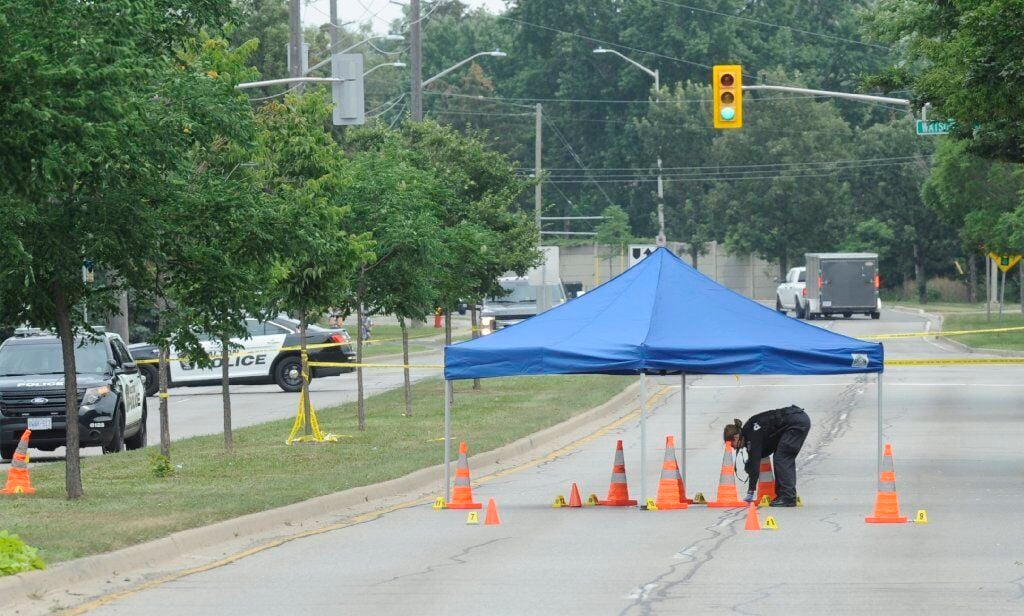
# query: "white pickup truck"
[792,293]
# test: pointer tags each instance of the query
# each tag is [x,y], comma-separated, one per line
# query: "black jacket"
[761,436]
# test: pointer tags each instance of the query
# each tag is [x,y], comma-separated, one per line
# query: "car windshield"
[520,291]
[45,358]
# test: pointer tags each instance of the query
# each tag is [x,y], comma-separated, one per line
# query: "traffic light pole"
[871,98]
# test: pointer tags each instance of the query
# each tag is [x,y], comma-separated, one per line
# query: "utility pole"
[661,208]
[537,171]
[335,38]
[415,62]
[295,39]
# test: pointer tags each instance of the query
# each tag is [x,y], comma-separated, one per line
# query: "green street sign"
[934,128]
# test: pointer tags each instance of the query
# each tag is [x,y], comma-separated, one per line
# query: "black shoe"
[783,502]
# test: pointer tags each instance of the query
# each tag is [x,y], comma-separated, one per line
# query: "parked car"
[112,406]
[517,304]
[268,355]
[792,293]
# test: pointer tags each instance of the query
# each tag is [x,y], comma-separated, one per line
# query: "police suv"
[268,355]
[111,395]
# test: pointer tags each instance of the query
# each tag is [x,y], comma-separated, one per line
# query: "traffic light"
[727,85]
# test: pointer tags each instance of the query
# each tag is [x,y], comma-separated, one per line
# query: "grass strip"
[1010,341]
[126,503]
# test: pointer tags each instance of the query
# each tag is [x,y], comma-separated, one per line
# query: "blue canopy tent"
[660,317]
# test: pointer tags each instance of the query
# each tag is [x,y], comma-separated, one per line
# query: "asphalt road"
[956,434]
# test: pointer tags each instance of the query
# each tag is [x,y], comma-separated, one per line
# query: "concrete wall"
[749,277]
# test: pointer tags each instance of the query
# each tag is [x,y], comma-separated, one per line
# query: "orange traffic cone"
[462,493]
[574,497]
[670,488]
[492,514]
[887,507]
[618,491]
[766,481]
[727,496]
[752,522]
[17,478]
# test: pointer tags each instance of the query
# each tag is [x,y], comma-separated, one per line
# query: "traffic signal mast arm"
[847,95]
[277,82]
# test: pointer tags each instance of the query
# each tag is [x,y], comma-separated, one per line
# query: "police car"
[268,355]
[111,395]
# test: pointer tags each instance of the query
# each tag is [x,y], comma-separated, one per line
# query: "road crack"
[451,561]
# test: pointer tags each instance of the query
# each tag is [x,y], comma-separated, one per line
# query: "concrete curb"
[28,588]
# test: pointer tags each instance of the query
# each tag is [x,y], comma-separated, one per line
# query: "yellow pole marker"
[651,506]
[472,518]
[559,502]
[922,517]
[439,503]
[769,524]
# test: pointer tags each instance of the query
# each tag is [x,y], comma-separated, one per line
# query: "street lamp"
[378,37]
[497,53]
[396,64]
[657,89]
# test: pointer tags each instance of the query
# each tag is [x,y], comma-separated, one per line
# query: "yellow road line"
[359,519]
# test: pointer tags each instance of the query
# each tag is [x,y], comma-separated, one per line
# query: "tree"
[614,230]
[304,171]
[777,190]
[83,133]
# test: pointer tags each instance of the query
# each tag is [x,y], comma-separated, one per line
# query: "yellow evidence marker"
[439,503]
[651,506]
[765,501]
[472,518]
[799,501]
[699,499]
[591,500]
[559,502]
[769,524]
[922,517]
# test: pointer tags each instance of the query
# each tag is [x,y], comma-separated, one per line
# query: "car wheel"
[150,379]
[116,444]
[7,451]
[778,305]
[847,315]
[288,374]
[799,310]
[138,441]
[875,315]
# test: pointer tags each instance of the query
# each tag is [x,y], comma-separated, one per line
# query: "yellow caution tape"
[341,364]
[965,361]
[963,332]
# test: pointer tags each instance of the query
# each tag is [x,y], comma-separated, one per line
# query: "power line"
[773,25]
[717,177]
[751,166]
[634,101]
[575,157]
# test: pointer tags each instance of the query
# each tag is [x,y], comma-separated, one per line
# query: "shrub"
[16,556]
[160,465]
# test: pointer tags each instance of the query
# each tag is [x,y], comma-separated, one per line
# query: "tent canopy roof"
[661,316]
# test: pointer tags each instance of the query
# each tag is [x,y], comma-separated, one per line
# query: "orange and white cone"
[670,487]
[618,490]
[887,507]
[17,477]
[765,481]
[462,493]
[727,495]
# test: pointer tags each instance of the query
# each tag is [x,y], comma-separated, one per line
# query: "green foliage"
[870,235]
[160,465]
[16,556]
[614,229]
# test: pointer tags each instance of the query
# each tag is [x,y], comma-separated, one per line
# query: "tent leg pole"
[643,440]
[881,436]
[682,428]
[447,439]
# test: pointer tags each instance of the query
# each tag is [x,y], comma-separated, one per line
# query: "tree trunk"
[407,385]
[307,406]
[360,401]
[475,324]
[783,266]
[972,278]
[163,370]
[694,254]
[919,275]
[73,467]
[229,441]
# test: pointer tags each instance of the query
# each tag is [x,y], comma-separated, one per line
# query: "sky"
[379,12]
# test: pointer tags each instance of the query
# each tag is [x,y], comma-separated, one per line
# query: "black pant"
[792,439]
